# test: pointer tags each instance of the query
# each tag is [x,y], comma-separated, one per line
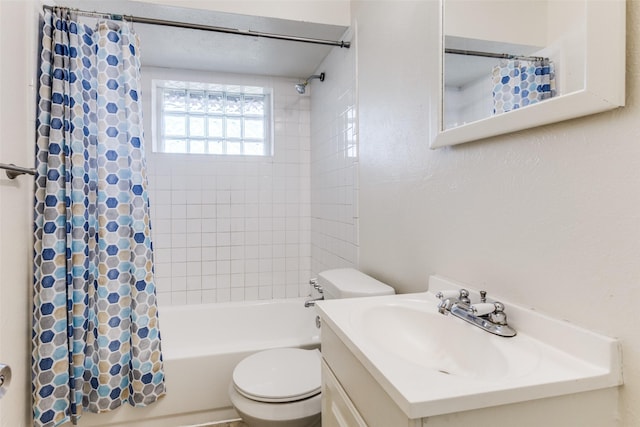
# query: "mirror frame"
[604,87]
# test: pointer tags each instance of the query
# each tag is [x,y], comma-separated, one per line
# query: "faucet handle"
[499,317]
[314,283]
[483,308]
[448,294]
[495,310]
[461,295]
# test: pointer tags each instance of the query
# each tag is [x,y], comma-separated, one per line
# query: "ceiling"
[163,46]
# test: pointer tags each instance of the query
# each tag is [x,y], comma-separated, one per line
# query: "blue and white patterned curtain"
[96,342]
[518,83]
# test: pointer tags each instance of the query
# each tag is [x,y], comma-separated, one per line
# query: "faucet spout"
[315,286]
[312,302]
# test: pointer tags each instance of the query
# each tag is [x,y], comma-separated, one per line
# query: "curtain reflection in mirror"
[518,83]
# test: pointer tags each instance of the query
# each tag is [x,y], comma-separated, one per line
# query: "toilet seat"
[279,375]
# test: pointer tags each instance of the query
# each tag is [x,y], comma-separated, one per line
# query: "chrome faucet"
[317,287]
[489,316]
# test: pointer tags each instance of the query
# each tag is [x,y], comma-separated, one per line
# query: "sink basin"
[432,364]
[415,333]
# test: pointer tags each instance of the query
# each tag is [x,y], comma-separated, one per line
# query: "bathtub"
[201,344]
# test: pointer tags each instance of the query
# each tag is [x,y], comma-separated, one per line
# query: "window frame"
[159,86]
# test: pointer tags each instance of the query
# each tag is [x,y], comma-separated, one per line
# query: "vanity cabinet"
[351,396]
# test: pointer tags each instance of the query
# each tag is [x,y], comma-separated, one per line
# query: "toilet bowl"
[281,387]
[278,388]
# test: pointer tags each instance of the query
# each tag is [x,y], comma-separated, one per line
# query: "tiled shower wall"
[334,163]
[233,227]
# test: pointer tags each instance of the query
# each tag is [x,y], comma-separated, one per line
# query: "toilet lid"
[279,375]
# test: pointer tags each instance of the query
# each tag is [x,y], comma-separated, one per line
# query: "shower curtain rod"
[13,170]
[202,27]
[493,55]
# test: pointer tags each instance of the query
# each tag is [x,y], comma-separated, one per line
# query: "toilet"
[281,387]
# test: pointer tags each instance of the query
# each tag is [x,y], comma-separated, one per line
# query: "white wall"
[17,124]
[334,163]
[232,227]
[547,218]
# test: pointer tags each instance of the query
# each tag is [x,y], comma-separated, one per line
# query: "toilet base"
[301,413]
[312,421]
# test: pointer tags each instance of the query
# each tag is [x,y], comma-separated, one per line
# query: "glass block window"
[212,119]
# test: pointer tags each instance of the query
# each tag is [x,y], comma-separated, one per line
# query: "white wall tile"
[178,298]
[334,167]
[194,297]
[209,296]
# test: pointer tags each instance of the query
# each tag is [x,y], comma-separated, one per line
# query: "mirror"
[508,65]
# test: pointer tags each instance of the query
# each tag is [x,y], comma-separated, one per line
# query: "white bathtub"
[201,344]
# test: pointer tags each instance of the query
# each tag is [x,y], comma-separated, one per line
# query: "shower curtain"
[518,83]
[96,342]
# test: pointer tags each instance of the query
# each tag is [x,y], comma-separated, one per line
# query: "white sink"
[432,364]
[414,332]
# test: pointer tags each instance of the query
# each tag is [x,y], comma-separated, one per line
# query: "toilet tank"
[351,283]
